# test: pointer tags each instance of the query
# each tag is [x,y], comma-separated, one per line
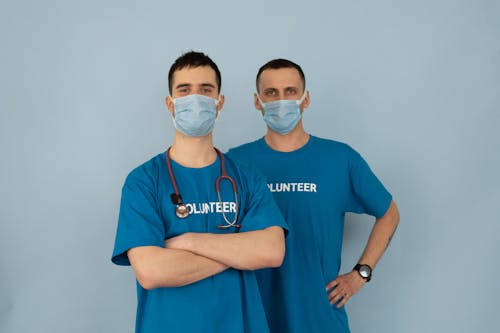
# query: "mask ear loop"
[217,101]
[172,114]
[299,101]
[262,104]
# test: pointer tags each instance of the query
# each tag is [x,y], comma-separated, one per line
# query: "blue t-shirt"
[314,187]
[226,302]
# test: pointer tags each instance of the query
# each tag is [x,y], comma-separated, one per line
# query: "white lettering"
[205,209]
[195,209]
[292,187]
[211,207]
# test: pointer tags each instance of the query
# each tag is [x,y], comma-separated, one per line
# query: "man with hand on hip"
[315,182]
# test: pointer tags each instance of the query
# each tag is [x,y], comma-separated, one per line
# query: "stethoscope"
[181,209]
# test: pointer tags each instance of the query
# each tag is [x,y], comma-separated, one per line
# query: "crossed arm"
[191,257]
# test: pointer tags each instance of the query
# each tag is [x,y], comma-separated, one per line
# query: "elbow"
[277,255]
[392,215]
[395,215]
[277,252]
[149,279]
[145,283]
[276,261]
[147,271]
[146,279]
[272,258]
[270,253]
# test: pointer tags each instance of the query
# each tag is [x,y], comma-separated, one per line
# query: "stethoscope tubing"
[181,209]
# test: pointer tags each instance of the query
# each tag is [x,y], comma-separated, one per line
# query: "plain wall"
[414,86]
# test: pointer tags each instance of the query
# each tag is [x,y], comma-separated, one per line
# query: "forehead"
[280,78]
[194,76]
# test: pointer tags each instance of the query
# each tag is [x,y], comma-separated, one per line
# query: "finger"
[332,284]
[336,297]
[343,301]
[332,294]
[339,289]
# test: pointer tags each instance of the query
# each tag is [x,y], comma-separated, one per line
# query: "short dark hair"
[193,59]
[278,64]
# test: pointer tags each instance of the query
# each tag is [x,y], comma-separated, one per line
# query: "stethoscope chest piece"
[181,211]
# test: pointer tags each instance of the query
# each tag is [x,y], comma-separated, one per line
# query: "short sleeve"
[260,211]
[368,194]
[139,222]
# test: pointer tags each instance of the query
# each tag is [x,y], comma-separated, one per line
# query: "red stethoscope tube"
[181,210]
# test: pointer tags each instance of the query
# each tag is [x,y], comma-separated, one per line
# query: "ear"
[221,103]
[170,105]
[306,101]
[256,103]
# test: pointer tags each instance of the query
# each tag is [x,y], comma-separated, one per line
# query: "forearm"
[157,267]
[245,250]
[380,236]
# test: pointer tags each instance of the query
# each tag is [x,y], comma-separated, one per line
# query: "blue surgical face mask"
[195,114]
[282,116]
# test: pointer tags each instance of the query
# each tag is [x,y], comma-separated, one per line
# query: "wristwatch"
[364,270]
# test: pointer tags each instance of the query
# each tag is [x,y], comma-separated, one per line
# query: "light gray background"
[413,86]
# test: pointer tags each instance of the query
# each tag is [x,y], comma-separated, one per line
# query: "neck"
[193,152]
[294,140]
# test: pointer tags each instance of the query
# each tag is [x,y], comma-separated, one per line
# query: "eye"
[291,91]
[270,93]
[206,90]
[183,91]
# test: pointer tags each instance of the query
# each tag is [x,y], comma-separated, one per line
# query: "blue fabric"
[314,187]
[227,302]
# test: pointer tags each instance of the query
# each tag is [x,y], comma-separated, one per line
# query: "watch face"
[364,271]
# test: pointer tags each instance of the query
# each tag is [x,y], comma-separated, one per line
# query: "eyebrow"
[183,85]
[286,88]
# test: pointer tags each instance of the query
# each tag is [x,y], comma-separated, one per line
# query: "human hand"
[344,287]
